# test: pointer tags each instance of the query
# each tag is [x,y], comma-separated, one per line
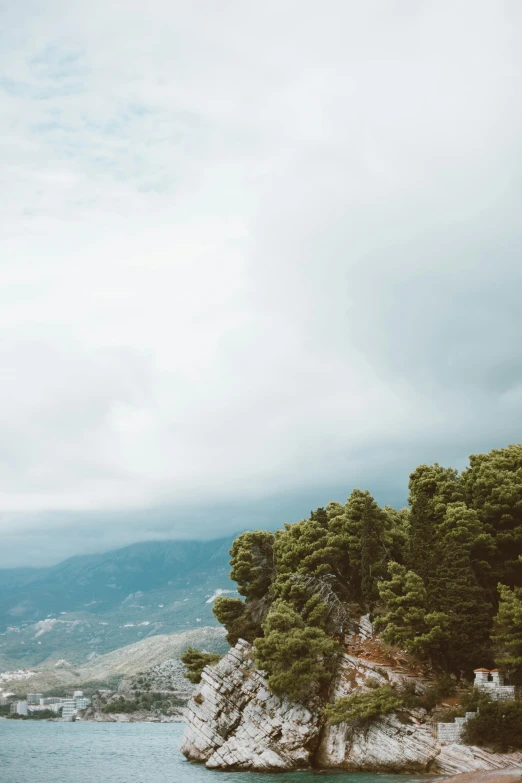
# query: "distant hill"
[105,671]
[89,605]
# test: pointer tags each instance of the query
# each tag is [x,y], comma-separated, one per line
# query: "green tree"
[309,548]
[252,562]
[407,621]
[298,659]
[508,629]
[237,618]
[457,593]
[365,537]
[497,725]
[395,537]
[306,547]
[195,661]
[493,488]
[432,488]
[362,709]
[372,562]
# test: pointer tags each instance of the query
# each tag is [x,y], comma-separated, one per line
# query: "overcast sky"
[252,254]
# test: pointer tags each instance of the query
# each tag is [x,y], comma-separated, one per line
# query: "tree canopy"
[432,576]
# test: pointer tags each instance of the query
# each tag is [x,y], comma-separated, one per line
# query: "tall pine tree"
[456,592]
[432,488]
[408,621]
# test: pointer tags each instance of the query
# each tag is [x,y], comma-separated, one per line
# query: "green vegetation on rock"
[297,656]
[361,709]
[195,661]
[427,575]
[497,725]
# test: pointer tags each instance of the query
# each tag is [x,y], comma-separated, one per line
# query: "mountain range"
[89,605]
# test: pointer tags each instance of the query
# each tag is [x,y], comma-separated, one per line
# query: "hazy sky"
[252,254]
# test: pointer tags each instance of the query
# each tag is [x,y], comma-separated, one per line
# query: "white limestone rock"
[234,722]
[388,746]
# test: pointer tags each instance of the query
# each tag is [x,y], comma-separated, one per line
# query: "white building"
[19,708]
[71,706]
[69,709]
[52,700]
[492,683]
[40,707]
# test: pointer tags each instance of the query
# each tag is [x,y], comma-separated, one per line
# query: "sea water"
[49,752]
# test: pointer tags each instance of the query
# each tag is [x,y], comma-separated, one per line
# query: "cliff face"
[234,722]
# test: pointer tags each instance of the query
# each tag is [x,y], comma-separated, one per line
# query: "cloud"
[248,252]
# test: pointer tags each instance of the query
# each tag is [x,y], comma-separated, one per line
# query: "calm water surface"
[129,753]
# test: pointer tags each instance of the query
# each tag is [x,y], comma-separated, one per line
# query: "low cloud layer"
[250,254]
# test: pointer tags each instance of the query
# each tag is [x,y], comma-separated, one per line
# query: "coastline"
[234,722]
[513,775]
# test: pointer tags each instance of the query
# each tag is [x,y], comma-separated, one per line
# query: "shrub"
[195,661]
[237,618]
[498,725]
[298,659]
[443,687]
[473,700]
[361,709]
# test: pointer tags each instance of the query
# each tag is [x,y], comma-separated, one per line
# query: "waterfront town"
[37,705]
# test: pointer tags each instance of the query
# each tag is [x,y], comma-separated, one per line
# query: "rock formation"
[234,722]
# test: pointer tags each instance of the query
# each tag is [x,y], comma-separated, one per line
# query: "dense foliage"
[195,661]
[508,628]
[296,656]
[433,577]
[361,709]
[497,725]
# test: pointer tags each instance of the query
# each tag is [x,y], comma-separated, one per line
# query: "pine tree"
[493,487]
[456,591]
[421,544]
[297,658]
[371,552]
[307,547]
[252,562]
[508,629]
[236,616]
[361,530]
[408,622]
[195,661]
[432,488]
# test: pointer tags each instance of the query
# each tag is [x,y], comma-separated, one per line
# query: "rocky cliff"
[234,722]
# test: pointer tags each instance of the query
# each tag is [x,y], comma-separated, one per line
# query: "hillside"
[106,670]
[90,605]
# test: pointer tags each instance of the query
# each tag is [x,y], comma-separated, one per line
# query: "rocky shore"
[500,776]
[126,707]
[235,723]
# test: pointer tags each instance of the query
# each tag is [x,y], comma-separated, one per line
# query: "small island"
[374,639]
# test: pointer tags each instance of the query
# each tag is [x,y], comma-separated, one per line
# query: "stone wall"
[452,732]
[497,692]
